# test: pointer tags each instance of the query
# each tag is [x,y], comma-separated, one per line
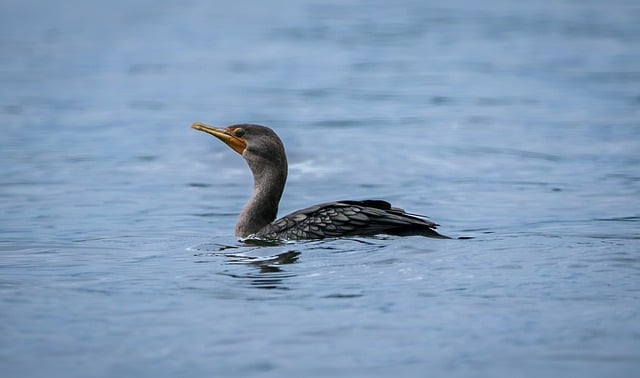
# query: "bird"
[264,152]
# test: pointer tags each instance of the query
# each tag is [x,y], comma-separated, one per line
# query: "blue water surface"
[515,123]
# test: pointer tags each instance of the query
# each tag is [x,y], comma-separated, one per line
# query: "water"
[513,123]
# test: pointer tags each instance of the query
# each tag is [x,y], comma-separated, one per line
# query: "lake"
[513,123]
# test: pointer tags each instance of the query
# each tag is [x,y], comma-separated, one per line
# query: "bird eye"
[239,133]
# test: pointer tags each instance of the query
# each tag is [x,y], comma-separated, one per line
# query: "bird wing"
[347,218]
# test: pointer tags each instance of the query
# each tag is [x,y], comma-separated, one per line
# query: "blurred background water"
[513,122]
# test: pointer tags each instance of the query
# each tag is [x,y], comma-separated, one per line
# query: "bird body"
[347,218]
[264,152]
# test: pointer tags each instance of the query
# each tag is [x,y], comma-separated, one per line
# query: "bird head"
[259,145]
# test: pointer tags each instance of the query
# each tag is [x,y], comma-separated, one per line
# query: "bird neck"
[262,208]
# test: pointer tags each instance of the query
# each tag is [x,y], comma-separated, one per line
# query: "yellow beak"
[224,134]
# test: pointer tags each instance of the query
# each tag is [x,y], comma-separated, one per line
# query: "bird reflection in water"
[267,274]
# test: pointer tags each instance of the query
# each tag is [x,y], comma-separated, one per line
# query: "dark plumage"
[265,155]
